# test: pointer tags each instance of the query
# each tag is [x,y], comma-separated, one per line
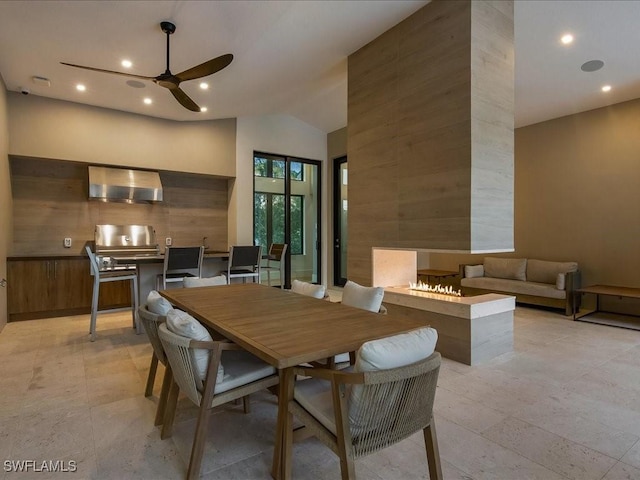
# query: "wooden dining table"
[284,329]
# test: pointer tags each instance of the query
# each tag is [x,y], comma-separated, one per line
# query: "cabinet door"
[115,294]
[71,284]
[28,286]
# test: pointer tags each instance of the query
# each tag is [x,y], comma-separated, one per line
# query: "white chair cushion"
[158,304]
[308,289]
[366,298]
[387,353]
[396,351]
[241,368]
[190,282]
[181,323]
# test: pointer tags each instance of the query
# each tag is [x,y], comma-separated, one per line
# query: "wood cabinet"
[56,286]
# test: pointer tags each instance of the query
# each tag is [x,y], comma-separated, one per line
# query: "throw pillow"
[473,271]
[308,289]
[560,281]
[181,323]
[366,298]
[157,303]
[509,268]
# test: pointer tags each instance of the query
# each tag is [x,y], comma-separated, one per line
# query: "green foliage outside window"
[268,216]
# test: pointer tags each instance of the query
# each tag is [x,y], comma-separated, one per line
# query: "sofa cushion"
[547,272]
[501,285]
[509,268]
[473,271]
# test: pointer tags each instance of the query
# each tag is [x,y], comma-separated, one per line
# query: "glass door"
[340,207]
[287,210]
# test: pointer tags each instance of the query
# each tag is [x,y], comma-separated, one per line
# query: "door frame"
[287,211]
[338,280]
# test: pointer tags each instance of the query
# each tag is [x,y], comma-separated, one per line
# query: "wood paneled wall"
[430,134]
[50,202]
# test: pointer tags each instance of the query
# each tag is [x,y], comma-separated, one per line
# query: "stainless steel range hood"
[124,185]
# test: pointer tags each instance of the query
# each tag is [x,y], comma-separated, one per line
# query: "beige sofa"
[531,281]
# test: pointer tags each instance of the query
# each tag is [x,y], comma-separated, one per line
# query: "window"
[269,220]
[273,168]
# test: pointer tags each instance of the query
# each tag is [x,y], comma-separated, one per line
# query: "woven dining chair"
[368,411]
[243,374]
[364,298]
[151,322]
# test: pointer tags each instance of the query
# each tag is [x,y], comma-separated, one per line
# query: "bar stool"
[276,255]
[244,262]
[177,263]
[111,276]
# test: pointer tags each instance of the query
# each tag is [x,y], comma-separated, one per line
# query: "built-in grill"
[117,247]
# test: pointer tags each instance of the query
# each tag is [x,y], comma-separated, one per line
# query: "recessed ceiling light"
[126,63]
[204,86]
[80,87]
[203,109]
[606,88]
[148,101]
[567,39]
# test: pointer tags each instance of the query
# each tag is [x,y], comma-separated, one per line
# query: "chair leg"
[246,403]
[170,410]
[148,391]
[433,454]
[134,306]
[197,449]
[94,308]
[164,394]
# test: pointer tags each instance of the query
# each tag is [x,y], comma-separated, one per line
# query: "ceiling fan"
[171,81]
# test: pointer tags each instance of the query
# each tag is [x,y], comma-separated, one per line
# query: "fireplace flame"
[444,290]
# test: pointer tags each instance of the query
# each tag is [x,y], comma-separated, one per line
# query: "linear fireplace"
[471,330]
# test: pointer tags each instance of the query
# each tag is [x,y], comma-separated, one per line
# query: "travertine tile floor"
[564,405]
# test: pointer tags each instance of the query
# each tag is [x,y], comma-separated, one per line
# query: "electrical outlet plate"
[167,241]
[67,242]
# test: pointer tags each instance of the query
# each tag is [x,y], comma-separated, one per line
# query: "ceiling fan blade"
[108,71]
[206,68]
[184,99]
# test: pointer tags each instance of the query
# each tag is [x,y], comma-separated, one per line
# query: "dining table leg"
[281,468]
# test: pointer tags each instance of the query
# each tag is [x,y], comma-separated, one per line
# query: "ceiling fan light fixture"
[606,88]
[126,63]
[167,79]
[203,109]
[80,87]
[204,86]
[147,101]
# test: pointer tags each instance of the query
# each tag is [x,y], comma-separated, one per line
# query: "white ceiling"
[290,56]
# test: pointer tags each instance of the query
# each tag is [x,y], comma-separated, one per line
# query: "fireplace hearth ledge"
[471,330]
